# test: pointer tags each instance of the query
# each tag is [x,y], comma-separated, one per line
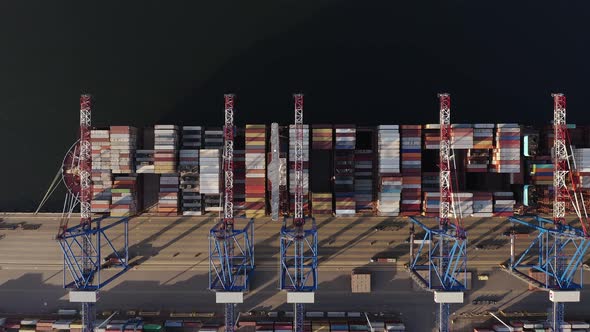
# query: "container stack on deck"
[165,154]
[168,195]
[411,148]
[431,204]
[463,204]
[344,170]
[363,181]
[390,180]
[255,170]
[483,204]
[101,171]
[144,161]
[542,174]
[431,136]
[123,141]
[213,139]
[321,137]
[478,158]
[165,142]
[430,181]
[124,202]
[188,166]
[292,138]
[582,157]
[504,204]
[321,145]
[506,157]
[461,136]
[321,204]
[239,182]
[210,178]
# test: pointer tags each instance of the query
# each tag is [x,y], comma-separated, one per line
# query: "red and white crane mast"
[228,162]
[299,219]
[446,193]
[560,165]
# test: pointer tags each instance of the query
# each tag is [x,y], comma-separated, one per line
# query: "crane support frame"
[72,245]
[427,258]
[559,254]
[231,258]
[299,258]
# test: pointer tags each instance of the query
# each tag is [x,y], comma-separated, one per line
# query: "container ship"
[381,170]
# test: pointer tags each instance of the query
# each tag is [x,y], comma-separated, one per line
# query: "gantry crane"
[299,241]
[82,244]
[558,250]
[442,268]
[231,251]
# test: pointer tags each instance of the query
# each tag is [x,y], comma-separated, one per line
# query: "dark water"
[378,63]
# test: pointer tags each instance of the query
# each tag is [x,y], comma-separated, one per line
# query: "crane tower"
[231,251]
[558,250]
[299,240]
[81,244]
[442,267]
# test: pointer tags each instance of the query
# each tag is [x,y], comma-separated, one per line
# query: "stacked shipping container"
[344,170]
[582,157]
[461,136]
[144,161]
[255,170]
[463,204]
[123,141]
[321,137]
[101,171]
[542,174]
[390,180]
[506,157]
[189,170]
[504,204]
[239,182]
[165,142]
[124,202]
[210,178]
[363,181]
[321,204]
[213,139]
[411,166]
[483,204]
[168,195]
[478,158]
